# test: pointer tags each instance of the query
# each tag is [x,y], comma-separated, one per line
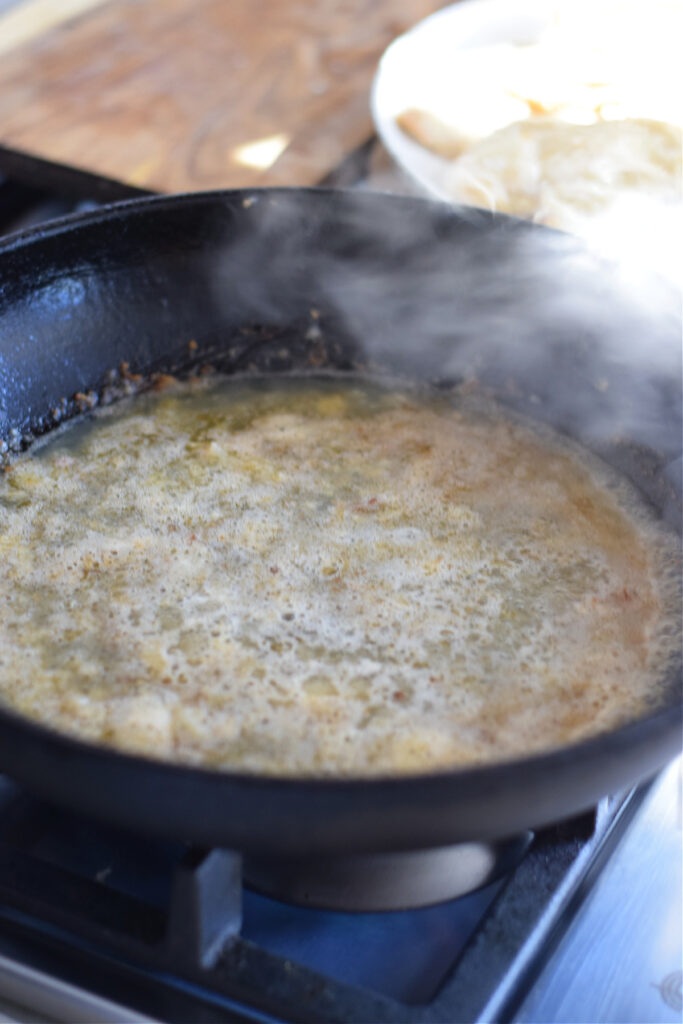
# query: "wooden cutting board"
[173,95]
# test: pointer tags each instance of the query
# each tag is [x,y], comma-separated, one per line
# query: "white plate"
[419,69]
[415,71]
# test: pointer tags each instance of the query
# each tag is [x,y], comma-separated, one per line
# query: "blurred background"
[566,113]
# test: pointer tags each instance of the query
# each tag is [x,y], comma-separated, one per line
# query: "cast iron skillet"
[284,280]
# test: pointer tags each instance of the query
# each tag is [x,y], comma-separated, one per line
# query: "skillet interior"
[280,281]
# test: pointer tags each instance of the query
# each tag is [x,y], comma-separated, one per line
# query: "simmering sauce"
[326,578]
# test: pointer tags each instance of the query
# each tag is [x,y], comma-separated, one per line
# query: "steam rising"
[288,280]
[590,346]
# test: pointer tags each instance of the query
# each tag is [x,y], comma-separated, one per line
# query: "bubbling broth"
[327,577]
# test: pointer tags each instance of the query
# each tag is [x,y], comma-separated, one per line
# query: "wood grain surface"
[193,94]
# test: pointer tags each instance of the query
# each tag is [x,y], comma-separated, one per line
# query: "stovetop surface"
[620,959]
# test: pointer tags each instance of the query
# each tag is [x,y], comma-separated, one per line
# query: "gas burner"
[393,881]
[168,929]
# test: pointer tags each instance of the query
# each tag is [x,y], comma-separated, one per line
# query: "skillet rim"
[661,719]
[304,816]
[106,211]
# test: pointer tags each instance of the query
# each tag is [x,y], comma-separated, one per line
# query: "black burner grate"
[160,927]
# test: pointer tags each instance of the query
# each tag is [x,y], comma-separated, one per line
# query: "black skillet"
[280,281]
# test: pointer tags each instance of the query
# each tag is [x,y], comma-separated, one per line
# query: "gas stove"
[99,925]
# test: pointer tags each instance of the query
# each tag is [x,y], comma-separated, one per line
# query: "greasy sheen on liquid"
[326,578]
